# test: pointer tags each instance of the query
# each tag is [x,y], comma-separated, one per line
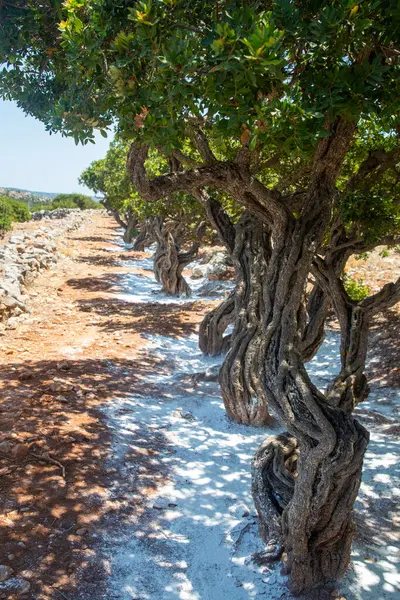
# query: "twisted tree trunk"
[249,245]
[128,223]
[212,340]
[350,387]
[324,451]
[312,316]
[316,501]
[131,222]
[241,387]
[145,237]
[169,262]
[316,525]
[117,217]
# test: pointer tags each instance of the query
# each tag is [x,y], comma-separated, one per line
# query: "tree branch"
[203,147]
[330,154]
[377,160]
[222,176]
[293,178]
[260,166]
[221,222]
[184,159]
[385,298]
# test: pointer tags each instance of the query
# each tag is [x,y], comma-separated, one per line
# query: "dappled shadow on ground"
[55,484]
[378,515]
[105,283]
[106,260]
[111,259]
[202,526]
[142,318]
[97,238]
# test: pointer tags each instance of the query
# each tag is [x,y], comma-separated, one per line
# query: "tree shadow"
[104,283]
[100,261]
[54,461]
[170,319]
[94,238]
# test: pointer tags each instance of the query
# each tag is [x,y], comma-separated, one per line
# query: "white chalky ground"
[197,543]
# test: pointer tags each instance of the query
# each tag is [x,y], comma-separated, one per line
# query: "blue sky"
[32,159]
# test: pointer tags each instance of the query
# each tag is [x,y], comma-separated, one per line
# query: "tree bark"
[316,507]
[274,468]
[305,482]
[316,526]
[241,373]
[145,237]
[131,221]
[312,317]
[350,387]
[169,262]
[212,341]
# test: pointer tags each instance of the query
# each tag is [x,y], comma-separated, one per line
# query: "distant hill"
[33,193]
[31,198]
[28,196]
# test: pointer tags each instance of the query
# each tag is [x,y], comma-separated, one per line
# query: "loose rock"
[5,572]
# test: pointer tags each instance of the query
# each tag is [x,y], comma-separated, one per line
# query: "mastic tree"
[108,177]
[168,222]
[291,109]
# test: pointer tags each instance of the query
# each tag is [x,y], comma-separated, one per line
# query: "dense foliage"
[264,74]
[12,210]
[19,210]
[69,201]
[5,215]
[242,67]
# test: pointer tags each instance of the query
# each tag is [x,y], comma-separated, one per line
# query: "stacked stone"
[22,258]
[58,213]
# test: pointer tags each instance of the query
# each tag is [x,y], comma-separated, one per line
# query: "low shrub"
[19,211]
[5,216]
[74,201]
[69,201]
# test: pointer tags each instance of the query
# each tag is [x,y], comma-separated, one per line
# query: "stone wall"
[22,258]
[58,213]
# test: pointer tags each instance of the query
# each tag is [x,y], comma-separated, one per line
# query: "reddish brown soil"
[53,476]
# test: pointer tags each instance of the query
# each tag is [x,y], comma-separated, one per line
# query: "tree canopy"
[265,76]
[267,72]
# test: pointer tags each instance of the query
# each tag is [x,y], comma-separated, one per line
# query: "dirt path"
[78,348]
[120,475]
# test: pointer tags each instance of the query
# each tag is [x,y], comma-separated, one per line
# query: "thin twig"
[240,536]
[48,458]
[62,594]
